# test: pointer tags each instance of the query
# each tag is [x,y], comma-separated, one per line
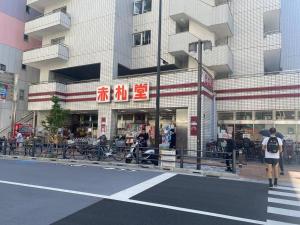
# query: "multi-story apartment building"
[15,77]
[99,57]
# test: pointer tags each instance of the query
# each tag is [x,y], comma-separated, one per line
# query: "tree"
[57,117]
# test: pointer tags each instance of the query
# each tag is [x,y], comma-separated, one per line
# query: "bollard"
[64,150]
[33,147]
[137,153]
[234,161]
[98,152]
[181,158]
[4,147]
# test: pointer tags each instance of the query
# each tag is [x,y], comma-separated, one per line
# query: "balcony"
[40,5]
[48,24]
[39,97]
[219,59]
[272,40]
[217,19]
[47,54]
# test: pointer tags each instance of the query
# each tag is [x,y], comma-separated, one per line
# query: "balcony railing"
[218,59]
[52,53]
[218,19]
[40,5]
[48,24]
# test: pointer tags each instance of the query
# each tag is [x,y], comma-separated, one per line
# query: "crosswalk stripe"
[287,188]
[272,222]
[284,201]
[284,212]
[294,195]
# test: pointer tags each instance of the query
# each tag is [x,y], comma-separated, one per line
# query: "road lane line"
[284,212]
[287,188]
[273,222]
[284,201]
[141,187]
[293,195]
[52,189]
[217,215]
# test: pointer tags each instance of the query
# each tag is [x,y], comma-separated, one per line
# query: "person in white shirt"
[19,139]
[272,146]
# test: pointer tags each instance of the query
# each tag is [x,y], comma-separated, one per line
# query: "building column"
[106,121]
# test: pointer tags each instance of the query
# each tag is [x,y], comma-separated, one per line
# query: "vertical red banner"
[194,126]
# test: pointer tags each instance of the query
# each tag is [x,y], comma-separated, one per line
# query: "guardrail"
[167,159]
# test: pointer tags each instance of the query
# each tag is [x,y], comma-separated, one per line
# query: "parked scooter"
[147,155]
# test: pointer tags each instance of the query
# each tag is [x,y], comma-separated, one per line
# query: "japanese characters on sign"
[121,93]
[207,80]
[103,94]
[140,92]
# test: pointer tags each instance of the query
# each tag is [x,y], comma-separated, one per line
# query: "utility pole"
[199,106]
[14,104]
[157,112]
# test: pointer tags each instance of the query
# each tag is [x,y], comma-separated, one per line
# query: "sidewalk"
[257,171]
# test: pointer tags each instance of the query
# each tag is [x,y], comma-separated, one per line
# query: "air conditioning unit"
[2,68]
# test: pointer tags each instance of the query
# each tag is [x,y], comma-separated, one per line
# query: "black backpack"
[273,145]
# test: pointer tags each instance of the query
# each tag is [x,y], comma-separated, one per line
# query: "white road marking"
[293,195]
[139,188]
[284,212]
[272,222]
[287,188]
[197,212]
[284,201]
[135,202]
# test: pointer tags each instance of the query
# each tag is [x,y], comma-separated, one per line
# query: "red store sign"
[140,92]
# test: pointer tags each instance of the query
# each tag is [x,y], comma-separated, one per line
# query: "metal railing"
[141,156]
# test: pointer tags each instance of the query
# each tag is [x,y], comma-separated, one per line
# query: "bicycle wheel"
[92,154]
[119,154]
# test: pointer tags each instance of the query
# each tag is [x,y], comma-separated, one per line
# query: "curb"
[124,166]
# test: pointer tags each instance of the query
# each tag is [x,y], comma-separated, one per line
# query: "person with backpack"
[272,146]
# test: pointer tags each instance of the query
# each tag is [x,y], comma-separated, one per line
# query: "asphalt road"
[39,193]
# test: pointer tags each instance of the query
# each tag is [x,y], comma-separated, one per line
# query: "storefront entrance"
[84,124]
[131,122]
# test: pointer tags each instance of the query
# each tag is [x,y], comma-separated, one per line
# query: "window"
[147,37]
[225,116]
[142,6]
[26,38]
[285,115]
[57,41]
[2,67]
[21,94]
[147,6]
[193,47]
[143,38]
[137,39]
[24,67]
[27,9]
[264,115]
[244,116]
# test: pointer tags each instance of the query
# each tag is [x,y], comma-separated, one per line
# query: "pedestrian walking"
[272,146]
[19,140]
[230,146]
[281,158]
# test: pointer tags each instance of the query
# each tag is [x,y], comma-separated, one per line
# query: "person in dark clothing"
[229,153]
[173,139]
[281,158]
[143,138]
[2,143]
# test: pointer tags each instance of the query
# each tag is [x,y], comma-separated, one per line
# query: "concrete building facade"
[90,44]
[13,15]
